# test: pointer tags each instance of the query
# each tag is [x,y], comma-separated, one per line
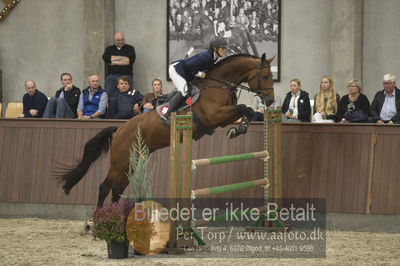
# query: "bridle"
[234,86]
[258,75]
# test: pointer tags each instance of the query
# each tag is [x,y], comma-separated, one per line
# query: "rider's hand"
[201,74]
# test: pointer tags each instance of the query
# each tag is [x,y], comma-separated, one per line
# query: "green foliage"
[141,180]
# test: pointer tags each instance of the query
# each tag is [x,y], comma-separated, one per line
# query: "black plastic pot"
[117,250]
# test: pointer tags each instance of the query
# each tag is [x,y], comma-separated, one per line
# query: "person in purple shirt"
[34,101]
[186,70]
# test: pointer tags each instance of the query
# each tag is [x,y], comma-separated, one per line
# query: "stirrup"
[165,119]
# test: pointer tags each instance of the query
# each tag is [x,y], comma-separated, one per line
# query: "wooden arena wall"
[355,167]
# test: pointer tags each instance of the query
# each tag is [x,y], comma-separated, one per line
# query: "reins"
[233,86]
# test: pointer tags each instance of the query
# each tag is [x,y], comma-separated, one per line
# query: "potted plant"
[140,228]
[140,179]
[109,224]
[110,221]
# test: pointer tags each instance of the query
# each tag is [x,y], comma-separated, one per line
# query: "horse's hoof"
[232,133]
[242,129]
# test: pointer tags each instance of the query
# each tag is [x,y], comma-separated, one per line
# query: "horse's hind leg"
[104,189]
[118,190]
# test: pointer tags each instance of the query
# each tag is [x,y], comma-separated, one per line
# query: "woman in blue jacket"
[183,71]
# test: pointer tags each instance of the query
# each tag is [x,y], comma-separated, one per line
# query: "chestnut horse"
[216,107]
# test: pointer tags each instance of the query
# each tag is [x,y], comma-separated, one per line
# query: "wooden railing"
[355,167]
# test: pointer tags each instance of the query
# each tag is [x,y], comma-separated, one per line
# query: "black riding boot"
[173,104]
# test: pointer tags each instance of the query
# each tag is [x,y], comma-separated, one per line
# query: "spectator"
[232,22]
[119,59]
[254,16]
[258,108]
[326,102]
[253,27]
[354,107]
[64,104]
[242,20]
[126,104]
[172,16]
[224,13]
[34,102]
[179,23]
[296,106]
[93,100]
[185,17]
[385,107]
[149,101]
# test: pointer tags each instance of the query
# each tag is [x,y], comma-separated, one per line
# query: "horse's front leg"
[247,116]
[226,115]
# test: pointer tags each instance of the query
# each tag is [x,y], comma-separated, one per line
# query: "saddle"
[190,99]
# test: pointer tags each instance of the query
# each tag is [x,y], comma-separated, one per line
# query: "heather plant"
[109,221]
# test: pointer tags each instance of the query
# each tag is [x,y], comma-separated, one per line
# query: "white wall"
[42,38]
[144,25]
[381,43]
[305,44]
[39,40]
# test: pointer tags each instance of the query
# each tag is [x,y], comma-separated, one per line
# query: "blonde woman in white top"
[326,102]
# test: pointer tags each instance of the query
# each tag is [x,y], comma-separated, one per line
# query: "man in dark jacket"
[64,104]
[119,59]
[125,103]
[34,101]
[385,108]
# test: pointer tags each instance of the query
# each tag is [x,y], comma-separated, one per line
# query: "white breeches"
[179,82]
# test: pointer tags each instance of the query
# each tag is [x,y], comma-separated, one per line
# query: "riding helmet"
[218,42]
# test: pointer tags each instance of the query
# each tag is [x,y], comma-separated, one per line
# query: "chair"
[13,110]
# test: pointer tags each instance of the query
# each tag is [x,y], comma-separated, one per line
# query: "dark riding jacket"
[189,67]
[303,106]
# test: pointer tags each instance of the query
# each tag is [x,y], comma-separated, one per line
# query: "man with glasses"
[385,107]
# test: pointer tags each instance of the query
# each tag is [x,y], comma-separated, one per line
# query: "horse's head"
[260,80]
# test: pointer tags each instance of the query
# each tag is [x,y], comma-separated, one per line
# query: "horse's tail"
[93,149]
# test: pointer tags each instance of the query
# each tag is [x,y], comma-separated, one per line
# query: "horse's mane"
[232,57]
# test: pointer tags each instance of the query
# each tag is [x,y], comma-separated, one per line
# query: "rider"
[186,70]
